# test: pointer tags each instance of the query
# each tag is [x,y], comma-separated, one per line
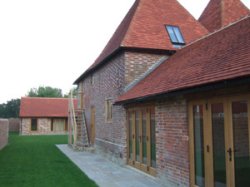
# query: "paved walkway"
[106,173]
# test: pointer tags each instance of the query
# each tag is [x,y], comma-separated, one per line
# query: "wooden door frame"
[191,138]
[132,161]
[231,164]
[207,127]
[92,125]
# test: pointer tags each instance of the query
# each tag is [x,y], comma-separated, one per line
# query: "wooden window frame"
[36,124]
[52,125]
[173,27]
[108,110]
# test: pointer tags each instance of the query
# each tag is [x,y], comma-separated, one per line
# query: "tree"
[10,109]
[47,91]
[74,93]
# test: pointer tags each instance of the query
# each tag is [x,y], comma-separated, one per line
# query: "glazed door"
[216,116]
[239,145]
[141,140]
[219,142]
[197,148]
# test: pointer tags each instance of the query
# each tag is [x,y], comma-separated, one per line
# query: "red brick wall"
[4,132]
[108,82]
[172,147]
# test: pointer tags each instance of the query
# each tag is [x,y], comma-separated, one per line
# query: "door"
[220,142]
[92,126]
[141,139]
[238,150]
[58,125]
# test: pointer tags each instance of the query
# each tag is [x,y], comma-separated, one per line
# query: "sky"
[52,42]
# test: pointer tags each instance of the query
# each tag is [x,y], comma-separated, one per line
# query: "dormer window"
[175,35]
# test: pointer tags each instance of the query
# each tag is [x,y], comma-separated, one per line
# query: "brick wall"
[109,82]
[105,83]
[14,125]
[4,132]
[43,127]
[137,63]
[172,147]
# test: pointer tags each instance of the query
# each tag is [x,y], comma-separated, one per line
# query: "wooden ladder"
[78,133]
[82,139]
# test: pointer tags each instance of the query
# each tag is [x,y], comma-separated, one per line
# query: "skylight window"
[175,35]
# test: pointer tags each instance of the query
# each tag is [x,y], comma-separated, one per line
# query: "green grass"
[35,161]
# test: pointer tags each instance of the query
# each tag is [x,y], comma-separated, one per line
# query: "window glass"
[33,124]
[152,139]
[219,157]
[137,135]
[130,135]
[175,35]
[241,138]
[199,146]
[108,110]
[52,125]
[171,34]
[178,35]
[144,137]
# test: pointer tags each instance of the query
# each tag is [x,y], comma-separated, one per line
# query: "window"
[175,35]
[52,125]
[108,110]
[34,124]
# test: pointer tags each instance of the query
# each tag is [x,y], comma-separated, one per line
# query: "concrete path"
[106,173]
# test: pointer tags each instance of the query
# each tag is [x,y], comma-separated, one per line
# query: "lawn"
[35,161]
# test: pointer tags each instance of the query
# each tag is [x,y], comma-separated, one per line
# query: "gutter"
[190,90]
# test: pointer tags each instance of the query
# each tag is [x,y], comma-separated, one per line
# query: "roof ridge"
[216,31]
[219,13]
[143,27]
[44,107]
[127,19]
[222,7]
[27,97]
[136,3]
[199,65]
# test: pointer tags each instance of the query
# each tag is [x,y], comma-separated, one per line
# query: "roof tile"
[220,13]
[222,55]
[44,107]
[144,27]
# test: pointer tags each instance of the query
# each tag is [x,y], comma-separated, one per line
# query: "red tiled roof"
[44,107]
[223,55]
[220,13]
[144,27]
